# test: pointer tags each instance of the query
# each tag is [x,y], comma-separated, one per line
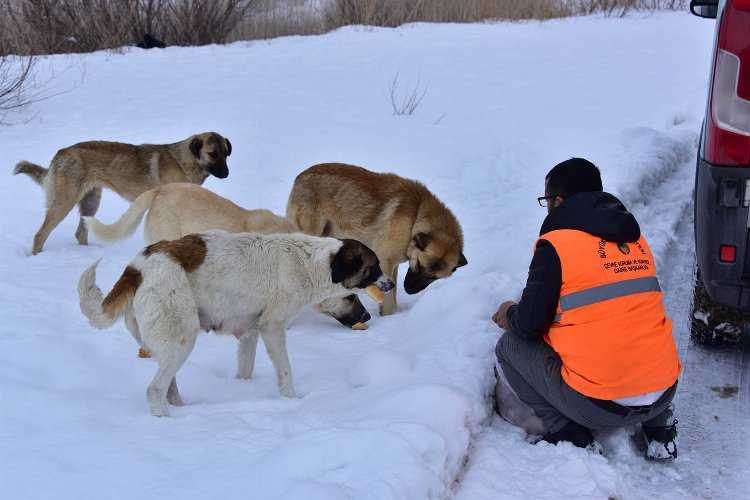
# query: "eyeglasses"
[544,201]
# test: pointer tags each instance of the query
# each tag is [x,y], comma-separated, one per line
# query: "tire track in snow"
[711,426]
[660,197]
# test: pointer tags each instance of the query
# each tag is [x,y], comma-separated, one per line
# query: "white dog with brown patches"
[240,284]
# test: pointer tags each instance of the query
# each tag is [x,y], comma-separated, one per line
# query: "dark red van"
[721,305]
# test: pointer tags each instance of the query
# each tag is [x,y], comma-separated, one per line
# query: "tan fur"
[384,211]
[189,251]
[122,293]
[128,221]
[34,171]
[178,209]
[77,174]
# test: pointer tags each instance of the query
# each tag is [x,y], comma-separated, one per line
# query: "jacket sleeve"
[533,315]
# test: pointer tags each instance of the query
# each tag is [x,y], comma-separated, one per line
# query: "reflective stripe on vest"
[607,292]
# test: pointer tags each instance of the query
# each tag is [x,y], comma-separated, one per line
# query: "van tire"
[712,323]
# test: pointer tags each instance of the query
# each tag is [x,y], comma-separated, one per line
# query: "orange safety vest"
[611,330]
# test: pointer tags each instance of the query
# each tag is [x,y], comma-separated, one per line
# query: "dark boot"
[661,442]
[577,434]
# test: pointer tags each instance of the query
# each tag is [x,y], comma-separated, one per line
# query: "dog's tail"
[33,170]
[126,224]
[101,311]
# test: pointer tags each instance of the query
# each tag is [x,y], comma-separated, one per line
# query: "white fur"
[248,285]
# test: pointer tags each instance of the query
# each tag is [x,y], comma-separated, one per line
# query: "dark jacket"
[599,214]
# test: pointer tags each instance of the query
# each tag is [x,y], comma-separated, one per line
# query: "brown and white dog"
[178,209]
[239,284]
[78,173]
[400,219]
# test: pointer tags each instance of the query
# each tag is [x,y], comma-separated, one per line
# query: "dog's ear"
[346,262]
[229,147]
[421,240]
[338,273]
[462,260]
[195,147]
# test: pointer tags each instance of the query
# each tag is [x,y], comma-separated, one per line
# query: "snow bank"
[385,414]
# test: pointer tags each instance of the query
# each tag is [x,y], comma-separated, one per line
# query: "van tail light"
[730,111]
[727,253]
[728,124]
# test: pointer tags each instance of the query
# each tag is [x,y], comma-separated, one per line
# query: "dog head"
[354,265]
[431,257]
[346,310]
[211,151]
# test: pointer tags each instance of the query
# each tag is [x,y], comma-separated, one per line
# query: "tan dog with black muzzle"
[400,219]
[78,173]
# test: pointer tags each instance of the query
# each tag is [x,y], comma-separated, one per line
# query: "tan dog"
[78,173]
[178,209]
[398,218]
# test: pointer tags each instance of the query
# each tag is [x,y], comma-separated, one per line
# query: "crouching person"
[589,345]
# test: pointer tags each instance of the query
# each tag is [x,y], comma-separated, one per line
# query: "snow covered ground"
[403,410]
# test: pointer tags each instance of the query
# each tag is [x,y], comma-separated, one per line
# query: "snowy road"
[396,412]
[714,397]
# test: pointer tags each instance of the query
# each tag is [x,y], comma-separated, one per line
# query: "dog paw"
[159,411]
[157,401]
[175,399]
[388,311]
[244,376]
[288,392]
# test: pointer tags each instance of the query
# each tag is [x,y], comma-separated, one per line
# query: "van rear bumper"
[722,204]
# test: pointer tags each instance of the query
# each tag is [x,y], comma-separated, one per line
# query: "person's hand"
[501,315]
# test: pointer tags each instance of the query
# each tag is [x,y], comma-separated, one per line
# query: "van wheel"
[712,323]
